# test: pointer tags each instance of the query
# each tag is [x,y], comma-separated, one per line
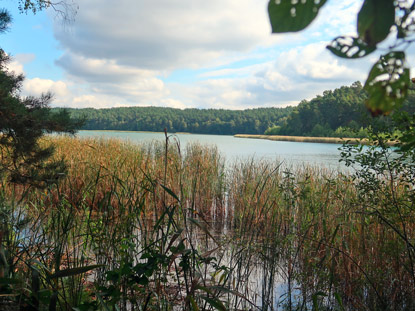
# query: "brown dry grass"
[304,139]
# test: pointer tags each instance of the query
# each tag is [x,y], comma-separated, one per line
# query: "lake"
[233,149]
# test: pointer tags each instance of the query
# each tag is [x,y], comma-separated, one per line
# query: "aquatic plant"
[154,227]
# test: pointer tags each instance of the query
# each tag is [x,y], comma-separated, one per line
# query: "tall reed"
[155,227]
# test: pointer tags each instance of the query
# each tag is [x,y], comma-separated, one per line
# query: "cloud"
[17,62]
[173,103]
[165,34]
[294,75]
[339,18]
[132,85]
[37,87]
[121,54]
[297,74]
[95,70]
[16,67]
[315,62]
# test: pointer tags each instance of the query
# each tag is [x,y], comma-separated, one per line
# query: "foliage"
[388,81]
[22,122]
[201,121]
[338,113]
[323,115]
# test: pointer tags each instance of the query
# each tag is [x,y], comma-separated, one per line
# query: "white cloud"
[165,34]
[314,61]
[37,87]
[300,73]
[17,62]
[173,103]
[297,74]
[339,17]
[117,54]
[16,67]
[130,85]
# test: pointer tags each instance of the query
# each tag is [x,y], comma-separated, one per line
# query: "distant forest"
[338,113]
[201,121]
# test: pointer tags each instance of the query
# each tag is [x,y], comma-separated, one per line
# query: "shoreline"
[299,139]
[307,139]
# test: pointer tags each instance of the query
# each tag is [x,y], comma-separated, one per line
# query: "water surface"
[291,153]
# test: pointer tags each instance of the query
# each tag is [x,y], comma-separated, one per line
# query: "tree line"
[201,121]
[338,113]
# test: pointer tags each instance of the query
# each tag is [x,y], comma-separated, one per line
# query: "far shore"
[306,139]
[300,139]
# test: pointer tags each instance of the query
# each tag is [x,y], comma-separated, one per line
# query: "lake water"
[291,153]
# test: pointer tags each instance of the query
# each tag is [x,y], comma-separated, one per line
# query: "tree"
[65,9]
[388,81]
[23,121]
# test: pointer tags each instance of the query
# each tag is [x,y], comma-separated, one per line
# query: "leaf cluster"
[388,81]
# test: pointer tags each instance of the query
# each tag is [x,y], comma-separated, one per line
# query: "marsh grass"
[154,227]
[308,139]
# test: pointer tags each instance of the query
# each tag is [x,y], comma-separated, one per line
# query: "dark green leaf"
[375,19]
[292,15]
[214,302]
[387,84]
[339,301]
[7,281]
[349,47]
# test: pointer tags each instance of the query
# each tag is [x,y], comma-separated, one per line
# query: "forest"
[201,121]
[338,113]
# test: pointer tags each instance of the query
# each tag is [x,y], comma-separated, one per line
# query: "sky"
[178,53]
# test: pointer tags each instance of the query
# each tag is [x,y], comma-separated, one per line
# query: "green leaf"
[350,47]
[339,301]
[292,15]
[73,271]
[374,21]
[387,84]
[214,302]
[169,191]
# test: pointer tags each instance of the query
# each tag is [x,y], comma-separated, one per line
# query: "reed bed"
[154,227]
[336,242]
[306,139]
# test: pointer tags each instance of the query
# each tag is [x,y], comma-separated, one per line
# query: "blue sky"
[178,53]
